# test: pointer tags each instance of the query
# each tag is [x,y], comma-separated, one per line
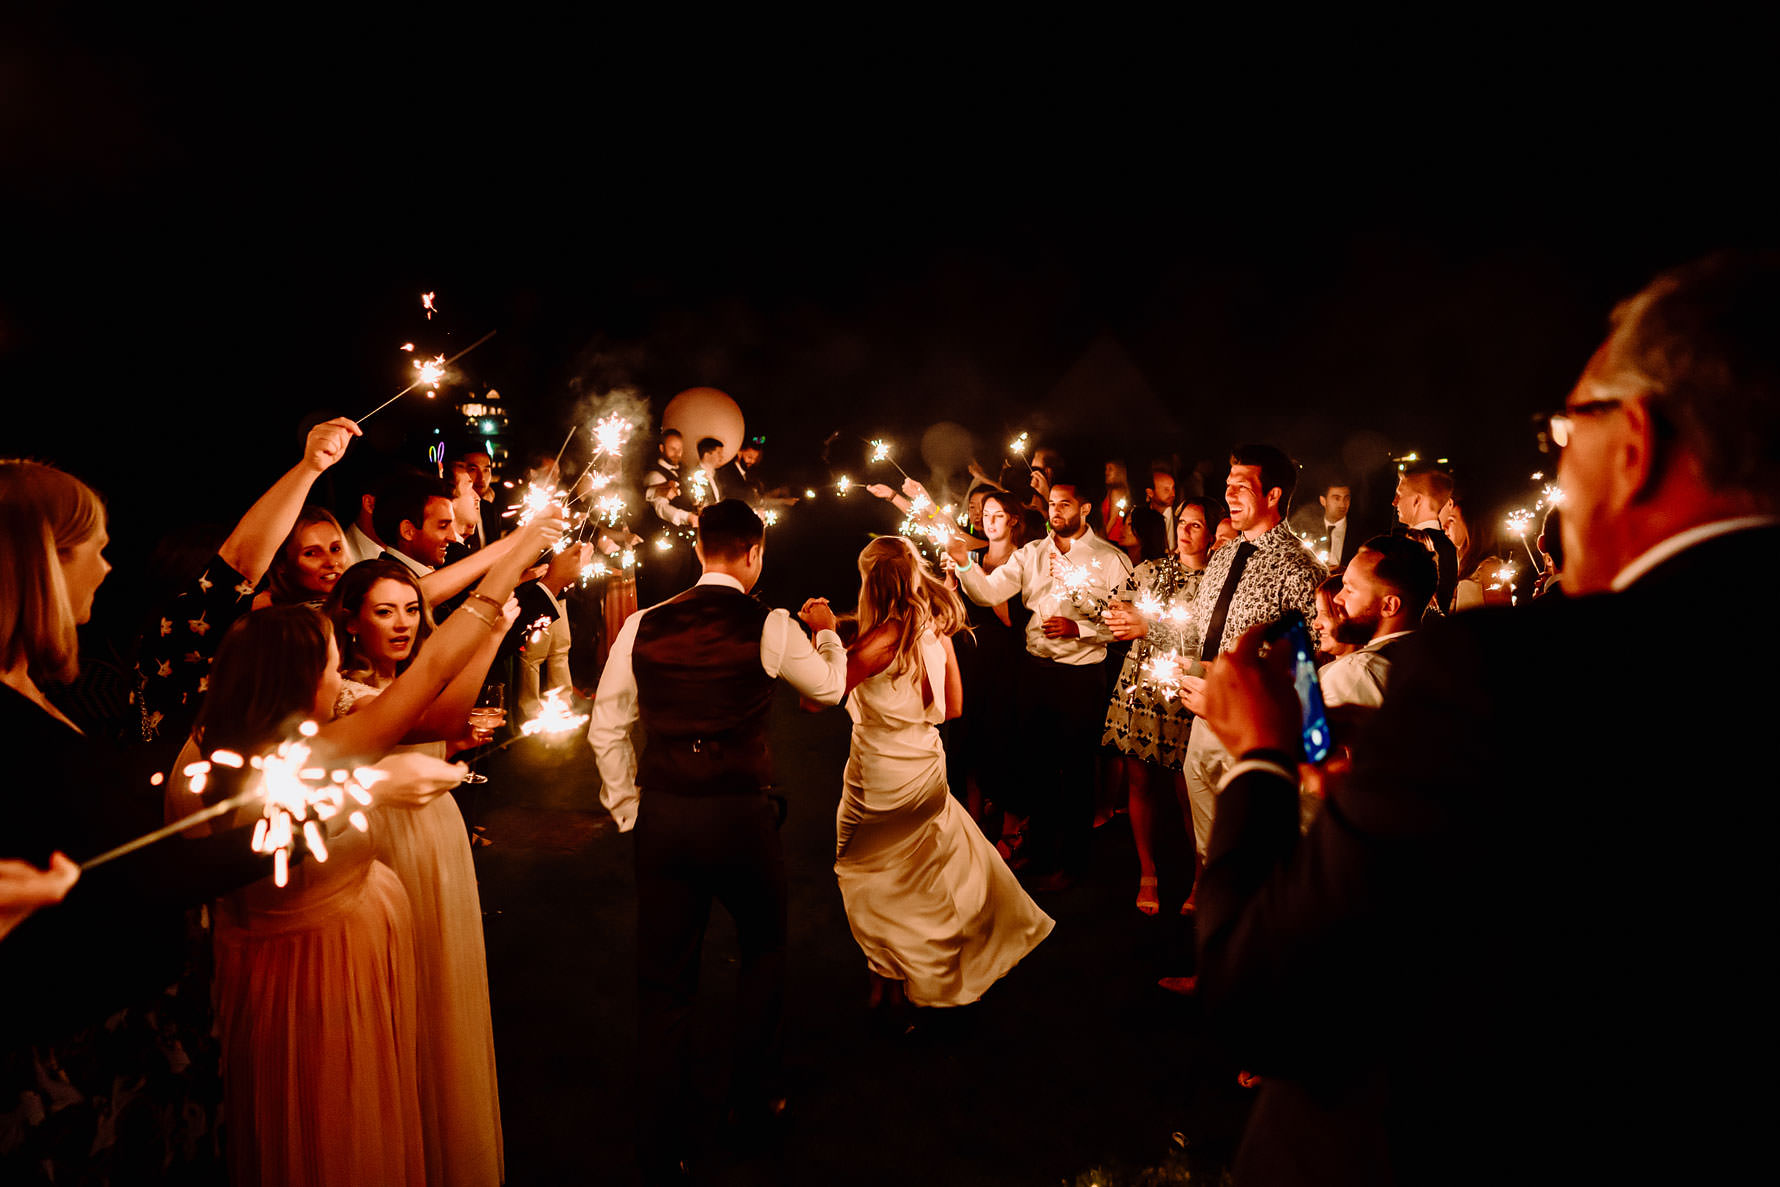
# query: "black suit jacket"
[1524,941]
[1446,557]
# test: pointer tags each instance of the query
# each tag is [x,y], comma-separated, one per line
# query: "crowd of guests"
[1418,945]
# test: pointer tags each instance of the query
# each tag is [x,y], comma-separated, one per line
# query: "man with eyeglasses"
[1533,915]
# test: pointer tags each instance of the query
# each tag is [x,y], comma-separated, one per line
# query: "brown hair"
[348,599]
[264,679]
[285,583]
[44,514]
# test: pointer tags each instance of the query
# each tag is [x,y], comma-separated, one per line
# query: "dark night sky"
[209,247]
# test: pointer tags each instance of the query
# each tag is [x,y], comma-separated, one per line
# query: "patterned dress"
[173,669]
[1141,721]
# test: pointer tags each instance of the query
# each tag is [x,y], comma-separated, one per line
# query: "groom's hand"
[816,615]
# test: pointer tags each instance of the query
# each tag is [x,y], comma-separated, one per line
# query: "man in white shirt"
[1065,579]
[1385,585]
[698,671]
[1422,490]
[415,517]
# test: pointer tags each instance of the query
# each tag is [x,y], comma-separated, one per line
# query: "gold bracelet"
[482,597]
[482,616]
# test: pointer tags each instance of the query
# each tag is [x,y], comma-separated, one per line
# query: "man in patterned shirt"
[1262,574]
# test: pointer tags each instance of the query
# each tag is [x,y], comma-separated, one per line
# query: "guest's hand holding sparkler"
[1125,621]
[413,780]
[24,888]
[817,615]
[327,442]
[881,491]
[958,551]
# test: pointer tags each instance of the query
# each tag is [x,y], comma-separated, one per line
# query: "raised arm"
[377,727]
[453,579]
[987,589]
[818,670]
[254,543]
[448,715]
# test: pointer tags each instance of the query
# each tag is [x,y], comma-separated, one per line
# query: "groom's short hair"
[727,529]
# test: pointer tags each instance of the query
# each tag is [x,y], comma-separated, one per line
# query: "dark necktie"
[1214,630]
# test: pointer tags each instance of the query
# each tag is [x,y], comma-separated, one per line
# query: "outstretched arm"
[456,577]
[254,543]
[386,721]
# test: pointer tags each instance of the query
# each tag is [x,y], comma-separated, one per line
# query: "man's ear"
[407,529]
[756,554]
[1635,453]
[367,504]
[1274,497]
[1391,604]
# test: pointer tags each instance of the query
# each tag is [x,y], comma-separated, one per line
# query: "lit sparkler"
[627,560]
[1163,671]
[1148,604]
[610,508]
[880,452]
[1018,447]
[442,364]
[593,569]
[610,433]
[843,485]
[553,717]
[426,303]
[770,517]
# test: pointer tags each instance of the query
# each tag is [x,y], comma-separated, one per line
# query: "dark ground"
[1077,1060]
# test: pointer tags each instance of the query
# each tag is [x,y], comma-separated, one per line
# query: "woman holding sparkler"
[315,982]
[988,663]
[382,619]
[107,952]
[935,908]
[1147,725]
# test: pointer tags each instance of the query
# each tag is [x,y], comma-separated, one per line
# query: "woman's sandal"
[1148,903]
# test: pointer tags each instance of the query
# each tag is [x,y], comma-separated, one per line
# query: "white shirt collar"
[419,568]
[1681,541]
[1427,524]
[721,579]
[1381,640]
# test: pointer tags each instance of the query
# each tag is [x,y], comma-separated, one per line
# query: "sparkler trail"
[417,383]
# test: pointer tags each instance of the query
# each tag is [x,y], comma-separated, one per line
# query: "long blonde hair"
[44,513]
[895,585]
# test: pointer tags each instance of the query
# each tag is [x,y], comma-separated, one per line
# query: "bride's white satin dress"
[930,901]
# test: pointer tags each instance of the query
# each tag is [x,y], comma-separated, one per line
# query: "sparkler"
[1163,670]
[1018,447]
[880,452]
[553,716]
[770,517]
[593,569]
[610,508]
[1148,604]
[1519,520]
[627,560]
[294,796]
[610,433]
[442,364]
[843,485]
[426,303]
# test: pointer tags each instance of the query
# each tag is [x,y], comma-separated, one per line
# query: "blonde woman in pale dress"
[381,618]
[316,981]
[937,912]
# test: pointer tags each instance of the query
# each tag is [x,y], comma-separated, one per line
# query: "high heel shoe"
[1147,901]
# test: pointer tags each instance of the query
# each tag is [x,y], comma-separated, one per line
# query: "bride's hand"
[816,615]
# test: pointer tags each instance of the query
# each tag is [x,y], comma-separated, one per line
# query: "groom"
[698,671]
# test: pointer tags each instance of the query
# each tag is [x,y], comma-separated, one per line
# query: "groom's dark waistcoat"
[702,696]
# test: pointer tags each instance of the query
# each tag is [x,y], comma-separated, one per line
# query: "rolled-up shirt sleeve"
[608,731]
[992,589]
[818,671]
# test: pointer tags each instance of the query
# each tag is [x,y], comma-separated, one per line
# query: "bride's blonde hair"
[895,585]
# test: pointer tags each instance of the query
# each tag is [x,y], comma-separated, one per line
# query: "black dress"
[980,743]
[91,1040]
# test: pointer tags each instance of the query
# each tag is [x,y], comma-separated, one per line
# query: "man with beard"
[1383,593]
[1066,579]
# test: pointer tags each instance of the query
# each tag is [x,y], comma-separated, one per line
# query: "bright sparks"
[426,303]
[880,451]
[610,433]
[554,716]
[843,484]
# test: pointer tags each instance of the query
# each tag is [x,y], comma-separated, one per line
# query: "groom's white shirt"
[818,671]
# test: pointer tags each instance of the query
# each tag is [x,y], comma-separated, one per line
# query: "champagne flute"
[488,715]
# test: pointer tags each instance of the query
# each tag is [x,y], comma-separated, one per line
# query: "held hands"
[1249,700]
[817,615]
[327,442]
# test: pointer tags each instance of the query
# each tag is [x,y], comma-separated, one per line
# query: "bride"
[935,908]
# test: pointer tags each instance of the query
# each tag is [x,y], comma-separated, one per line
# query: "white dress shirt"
[1028,572]
[818,671]
[1337,534]
[360,547]
[654,492]
[1358,677]
[418,568]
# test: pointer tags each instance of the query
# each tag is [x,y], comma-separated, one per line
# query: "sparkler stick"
[565,444]
[1018,447]
[178,826]
[460,354]
[880,452]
